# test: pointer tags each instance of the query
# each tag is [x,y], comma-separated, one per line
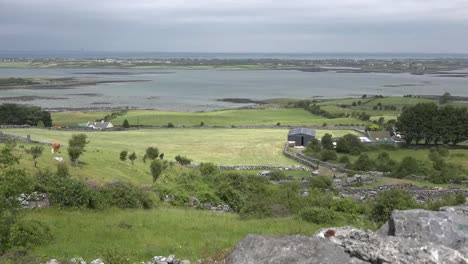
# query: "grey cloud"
[236,26]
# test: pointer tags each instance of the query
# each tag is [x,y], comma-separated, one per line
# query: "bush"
[318,215]
[384,163]
[321,182]
[151,153]
[408,166]
[123,155]
[327,142]
[363,163]
[313,146]
[157,167]
[326,155]
[344,160]
[348,206]
[449,200]
[28,234]
[388,201]
[277,175]
[62,170]
[64,191]
[208,168]
[121,195]
[183,160]
[125,124]
[170,125]
[349,144]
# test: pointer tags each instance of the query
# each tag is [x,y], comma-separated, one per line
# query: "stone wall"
[255,167]
[420,194]
[10,137]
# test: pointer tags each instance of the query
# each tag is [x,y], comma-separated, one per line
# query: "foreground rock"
[288,249]
[412,236]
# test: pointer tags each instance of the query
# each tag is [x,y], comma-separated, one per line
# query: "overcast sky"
[425,26]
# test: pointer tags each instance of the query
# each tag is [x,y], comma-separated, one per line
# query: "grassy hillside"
[221,146]
[142,234]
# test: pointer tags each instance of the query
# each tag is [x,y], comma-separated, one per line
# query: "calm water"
[196,90]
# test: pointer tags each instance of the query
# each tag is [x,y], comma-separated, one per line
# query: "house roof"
[379,136]
[99,124]
[301,131]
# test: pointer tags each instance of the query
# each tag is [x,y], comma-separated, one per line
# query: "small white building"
[99,125]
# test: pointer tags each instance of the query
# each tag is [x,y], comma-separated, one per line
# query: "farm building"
[99,125]
[301,136]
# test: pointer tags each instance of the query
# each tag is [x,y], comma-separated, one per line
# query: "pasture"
[224,118]
[221,146]
[141,234]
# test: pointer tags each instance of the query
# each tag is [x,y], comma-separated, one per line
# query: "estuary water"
[197,90]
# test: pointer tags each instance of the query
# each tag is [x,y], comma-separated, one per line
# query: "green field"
[225,118]
[75,118]
[221,146]
[457,156]
[141,234]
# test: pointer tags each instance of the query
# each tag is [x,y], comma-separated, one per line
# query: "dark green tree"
[157,168]
[35,153]
[151,153]
[76,147]
[327,142]
[388,201]
[349,143]
[132,157]
[123,155]
[125,124]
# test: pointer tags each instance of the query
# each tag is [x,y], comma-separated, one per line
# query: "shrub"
[62,170]
[121,195]
[349,143]
[321,182]
[123,155]
[157,167]
[208,168]
[28,234]
[344,160]
[318,215]
[64,191]
[449,200]
[349,206]
[327,142]
[363,163]
[313,146]
[277,175]
[384,163]
[183,160]
[388,201]
[151,153]
[170,125]
[326,155]
[132,157]
[125,124]
[408,166]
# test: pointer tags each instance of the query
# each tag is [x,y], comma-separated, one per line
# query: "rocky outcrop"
[448,227]
[171,259]
[412,236]
[34,200]
[288,249]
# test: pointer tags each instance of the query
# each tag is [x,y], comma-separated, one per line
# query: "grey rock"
[448,227]
[53,261]
[97,261]
[373,248]
[184,262]
[77,261]
[288,249]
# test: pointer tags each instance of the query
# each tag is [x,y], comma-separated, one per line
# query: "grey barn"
[301,136]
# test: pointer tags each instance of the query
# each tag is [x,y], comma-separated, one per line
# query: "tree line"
[428,123]
[13,114]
